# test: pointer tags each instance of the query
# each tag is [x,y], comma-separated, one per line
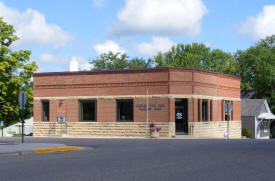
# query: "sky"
[58,30]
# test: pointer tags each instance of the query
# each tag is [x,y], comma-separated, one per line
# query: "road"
[139,159]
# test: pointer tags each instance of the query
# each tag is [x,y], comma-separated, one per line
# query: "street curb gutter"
[56,149]
[41,150]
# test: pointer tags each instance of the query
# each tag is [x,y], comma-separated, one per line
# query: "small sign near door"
[179,115]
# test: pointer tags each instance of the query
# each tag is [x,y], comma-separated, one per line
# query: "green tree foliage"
[257,69]
[110,61]
[15,75]
[197,56]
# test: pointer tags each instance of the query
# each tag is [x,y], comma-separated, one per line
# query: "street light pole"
[147,121]
[22,119]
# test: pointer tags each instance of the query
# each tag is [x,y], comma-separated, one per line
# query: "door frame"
[185,112]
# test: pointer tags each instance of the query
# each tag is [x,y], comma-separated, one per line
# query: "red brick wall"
[37,110]
[167,81]
[106,110]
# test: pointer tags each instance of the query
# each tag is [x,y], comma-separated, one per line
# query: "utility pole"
[227,108]
[147,121]
[22,98]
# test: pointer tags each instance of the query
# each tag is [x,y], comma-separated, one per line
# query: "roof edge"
[135,70]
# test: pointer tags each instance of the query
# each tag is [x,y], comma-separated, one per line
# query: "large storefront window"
[125,110]
[45,111]
[204,110]
[87,110]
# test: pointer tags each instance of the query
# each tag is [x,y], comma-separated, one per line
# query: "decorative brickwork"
[215,129]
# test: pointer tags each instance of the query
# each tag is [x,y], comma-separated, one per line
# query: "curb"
[56,149]
[41,150]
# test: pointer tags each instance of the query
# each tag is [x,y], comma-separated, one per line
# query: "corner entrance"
[181,116]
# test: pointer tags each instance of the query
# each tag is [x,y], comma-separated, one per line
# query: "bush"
[272,132]
[246,132]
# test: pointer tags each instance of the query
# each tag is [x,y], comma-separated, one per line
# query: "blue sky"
[56,31]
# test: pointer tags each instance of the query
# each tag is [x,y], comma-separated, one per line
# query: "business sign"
[227,108]
[156,107]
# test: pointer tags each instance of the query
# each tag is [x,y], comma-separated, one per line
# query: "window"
[87,110]
[204,110]
[232,111]
[45,111]
[211,110]
[222,109]
[199,110]
[226,114]
[125,110]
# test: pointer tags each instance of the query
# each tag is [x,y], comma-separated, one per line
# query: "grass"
[17,135]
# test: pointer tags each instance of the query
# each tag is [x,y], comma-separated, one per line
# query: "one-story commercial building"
[114,102]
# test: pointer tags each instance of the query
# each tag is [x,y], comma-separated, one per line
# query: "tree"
[110,60]
[137,62]
[15,75]
[197,56]
[257,69]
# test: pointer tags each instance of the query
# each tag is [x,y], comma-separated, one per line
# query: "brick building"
[113,102]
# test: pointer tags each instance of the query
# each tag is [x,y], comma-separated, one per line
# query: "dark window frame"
[204,116]
[117,109]
[222,103]
[80,110]
[199,110]
[211,110]
[42,110]
[232,110]
[227,117]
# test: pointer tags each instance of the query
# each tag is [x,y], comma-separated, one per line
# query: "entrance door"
[181,115]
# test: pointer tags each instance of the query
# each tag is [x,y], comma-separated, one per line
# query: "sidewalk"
[33,148]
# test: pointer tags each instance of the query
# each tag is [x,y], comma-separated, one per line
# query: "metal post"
[22,119]
[227,112]
[147,121]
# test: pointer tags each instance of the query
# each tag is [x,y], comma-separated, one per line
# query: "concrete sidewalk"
[33,148]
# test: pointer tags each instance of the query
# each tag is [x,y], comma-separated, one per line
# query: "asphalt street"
[140,159]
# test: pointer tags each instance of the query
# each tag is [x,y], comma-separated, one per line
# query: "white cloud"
[112,46]
[207,44]
[98,3]
[157,45]
[164,17]
[56,59]
[83,63]
[32,28]
[260,26]
[51,62]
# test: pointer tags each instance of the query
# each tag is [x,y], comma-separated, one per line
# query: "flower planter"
[154,134]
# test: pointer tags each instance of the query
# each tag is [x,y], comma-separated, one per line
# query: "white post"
[147,121]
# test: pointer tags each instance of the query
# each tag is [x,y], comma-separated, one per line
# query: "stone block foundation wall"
[215,129]
[100,129]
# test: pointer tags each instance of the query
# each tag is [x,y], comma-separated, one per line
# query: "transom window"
[125,110]
[87,110]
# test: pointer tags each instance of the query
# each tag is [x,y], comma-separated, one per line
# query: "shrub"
[272,132]
[246,132]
